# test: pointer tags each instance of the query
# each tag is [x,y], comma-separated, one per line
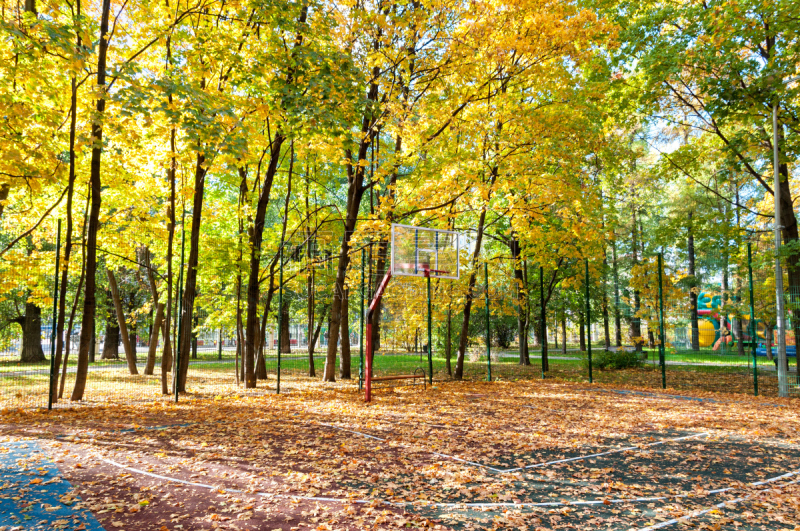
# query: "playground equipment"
[709,331]
[708,325]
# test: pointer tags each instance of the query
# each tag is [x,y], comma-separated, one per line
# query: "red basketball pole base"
[372,306]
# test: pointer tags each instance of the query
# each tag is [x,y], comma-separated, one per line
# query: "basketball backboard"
[416,250]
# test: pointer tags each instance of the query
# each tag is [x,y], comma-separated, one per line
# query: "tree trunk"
[239,349]
[355,192]
[344,366]
[166,362]
[130,354]
[790,234]
[564,333]
[606,328]
[157,326]
[253,287]
[5,188]
[74,309]
[62,297]
[522,302]
[66,351]
[89,300]
[312,336]
[257,340]
[258,231]
[555,333]
[286,337]
[462,341]
[582,338]
[111,343]
[448,347]
[695,330]
[190,289]
[311,302]
[543,322]
[354,195]
[239,334]
[768,341]
[604,279]
[739,331]
[261,362]
[194,338]
[133,339]
[636,322]
[166,355]
[159,322]
[617,316]
[31,324]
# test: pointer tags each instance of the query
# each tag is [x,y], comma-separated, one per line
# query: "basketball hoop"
[414,251]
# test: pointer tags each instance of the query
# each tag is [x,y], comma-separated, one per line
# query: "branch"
[708,188]
[27,232]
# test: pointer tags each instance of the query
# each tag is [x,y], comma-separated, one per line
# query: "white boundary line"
[468,504]
[631,448]
[498,470]
[212,487]
[537,465]
[722,505]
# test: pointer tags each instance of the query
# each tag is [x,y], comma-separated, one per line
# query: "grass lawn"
[25,385]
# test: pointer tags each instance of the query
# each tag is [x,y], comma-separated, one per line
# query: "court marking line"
[679,397]
[722,505]
[80,438]
[537,465]
[618,450]
[455,505]
[500,471]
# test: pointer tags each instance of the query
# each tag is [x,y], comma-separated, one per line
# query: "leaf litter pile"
[522,455]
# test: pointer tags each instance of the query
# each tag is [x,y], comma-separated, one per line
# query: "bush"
[616,360]
[504,330]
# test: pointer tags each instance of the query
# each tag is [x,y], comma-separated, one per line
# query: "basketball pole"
[375,300]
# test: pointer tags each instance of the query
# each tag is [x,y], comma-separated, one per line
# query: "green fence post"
[180,307]
[588,322]
[280,317]
[661,353]
[752,326]
[543,339]
[361,326]
[430,336]
[488,329]
[55,321]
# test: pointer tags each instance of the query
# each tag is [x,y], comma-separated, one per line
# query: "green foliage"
[504,330]
[623,359]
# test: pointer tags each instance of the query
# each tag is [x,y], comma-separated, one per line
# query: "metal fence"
[648,320]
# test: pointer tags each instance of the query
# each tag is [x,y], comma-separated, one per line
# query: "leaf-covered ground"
[522,455]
